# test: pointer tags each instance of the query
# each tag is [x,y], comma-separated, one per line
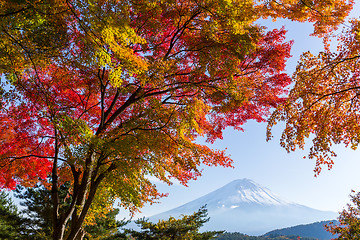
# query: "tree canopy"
[104,93]
[348,226]
[185,228]
[324,102]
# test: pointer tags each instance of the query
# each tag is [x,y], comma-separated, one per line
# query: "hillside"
[240,236]
[315,230]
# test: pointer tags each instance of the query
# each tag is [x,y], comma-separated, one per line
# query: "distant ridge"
[245,206]
[314,230]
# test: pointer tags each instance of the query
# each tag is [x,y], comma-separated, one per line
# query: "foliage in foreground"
[37,218]
[185,228]
[324,104]
[89,89]
[349,220]
[10,221]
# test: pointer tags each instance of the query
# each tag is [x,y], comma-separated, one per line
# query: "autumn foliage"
[348,225]
[104,94]
[324,103]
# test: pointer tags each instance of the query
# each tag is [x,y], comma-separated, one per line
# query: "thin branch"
[112,105]
[180,32]
[15,12]
[55,190]
[329,94]
[33,155]
[132,99]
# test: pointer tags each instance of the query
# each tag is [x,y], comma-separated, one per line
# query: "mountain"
[314,230]
[247,207]
[240,236]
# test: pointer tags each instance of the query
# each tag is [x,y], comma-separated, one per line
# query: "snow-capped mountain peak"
[245,191]
[245,206]
[238,193]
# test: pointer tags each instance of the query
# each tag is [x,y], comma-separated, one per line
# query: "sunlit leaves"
[324,103]
[326,15]
[31,33]
[118,91]
[349,224]
[134,74]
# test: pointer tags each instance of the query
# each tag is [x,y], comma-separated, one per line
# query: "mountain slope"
[315,230]
[240,236]
[245,206]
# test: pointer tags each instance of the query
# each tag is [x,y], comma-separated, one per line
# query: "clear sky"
[287,175]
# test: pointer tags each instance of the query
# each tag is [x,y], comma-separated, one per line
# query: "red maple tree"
[127,97]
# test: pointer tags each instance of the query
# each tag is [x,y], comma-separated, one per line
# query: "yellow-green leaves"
[114,40]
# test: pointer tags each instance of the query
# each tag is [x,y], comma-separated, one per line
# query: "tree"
[32,33]
[349,220]
[11,224]
[134,85]
[187,228]
[106,227]
[37,212]
[37,217]
[324,103]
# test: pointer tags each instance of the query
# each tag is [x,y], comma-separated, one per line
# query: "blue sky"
[287,175]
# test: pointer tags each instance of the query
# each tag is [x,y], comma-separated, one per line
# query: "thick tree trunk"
[84,190]
[76,231]
[58,226]
[80,197]
[59,231]
[77,221]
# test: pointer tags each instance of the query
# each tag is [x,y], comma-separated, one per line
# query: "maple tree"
[32,33]
[115,91]
[348,226]
[324,103]
[36,217]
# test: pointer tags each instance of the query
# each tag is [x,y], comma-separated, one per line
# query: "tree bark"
[58,225]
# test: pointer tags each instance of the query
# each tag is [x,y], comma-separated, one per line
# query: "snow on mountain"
[247,207]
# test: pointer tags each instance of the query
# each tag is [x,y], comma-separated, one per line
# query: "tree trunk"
[58,231]
[58,225]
